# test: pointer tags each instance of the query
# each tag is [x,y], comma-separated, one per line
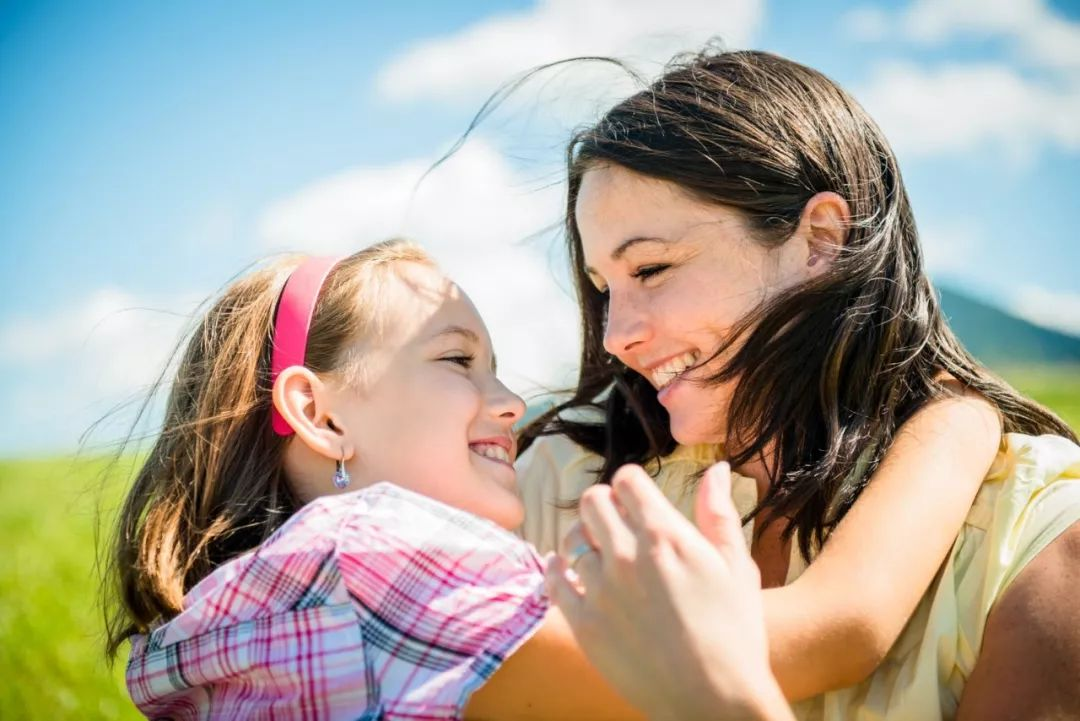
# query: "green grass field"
[50,625]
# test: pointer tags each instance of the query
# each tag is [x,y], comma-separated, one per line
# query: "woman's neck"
[757,469]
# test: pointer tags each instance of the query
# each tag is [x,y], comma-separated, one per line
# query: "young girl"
[254,583]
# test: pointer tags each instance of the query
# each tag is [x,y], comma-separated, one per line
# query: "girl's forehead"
[424,300]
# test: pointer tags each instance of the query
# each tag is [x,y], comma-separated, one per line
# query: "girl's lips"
[504,442]
[501,462]
[500,449]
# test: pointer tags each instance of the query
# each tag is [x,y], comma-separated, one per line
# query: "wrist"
[767,703]
[746,700]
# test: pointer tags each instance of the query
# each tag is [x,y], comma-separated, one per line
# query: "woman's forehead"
[613,190]
[619,211]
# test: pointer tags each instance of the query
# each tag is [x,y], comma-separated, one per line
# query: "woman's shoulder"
[1026,464]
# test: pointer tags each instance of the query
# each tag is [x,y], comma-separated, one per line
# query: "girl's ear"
[824,224]
[305,402]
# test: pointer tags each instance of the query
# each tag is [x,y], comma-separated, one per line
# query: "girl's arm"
[834,624]
[548,677]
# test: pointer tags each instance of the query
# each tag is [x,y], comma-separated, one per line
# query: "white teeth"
[668,372]
[490,450]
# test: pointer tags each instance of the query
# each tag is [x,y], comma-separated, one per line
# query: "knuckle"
[626,476]
[594,496]
[654,533]
[623,558]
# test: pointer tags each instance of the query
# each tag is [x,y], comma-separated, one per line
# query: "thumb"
[562,593]
[714,511]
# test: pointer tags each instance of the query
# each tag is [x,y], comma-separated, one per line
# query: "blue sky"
[151,151]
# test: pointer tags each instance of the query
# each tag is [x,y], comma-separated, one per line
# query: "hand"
[671,616]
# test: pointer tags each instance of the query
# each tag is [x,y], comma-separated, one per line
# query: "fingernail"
[717,502]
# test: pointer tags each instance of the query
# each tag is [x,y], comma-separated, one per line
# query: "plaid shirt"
[378,604]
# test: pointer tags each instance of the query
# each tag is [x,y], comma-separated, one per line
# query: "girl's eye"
[648,271]
[465,361]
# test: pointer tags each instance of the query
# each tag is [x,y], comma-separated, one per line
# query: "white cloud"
[868,24]
[476,60]
[1038,34]
[948,246]
[473,214]
[959,108]
[1059,310]
[76,363]
[116,340]
[475,198]
[1016,106]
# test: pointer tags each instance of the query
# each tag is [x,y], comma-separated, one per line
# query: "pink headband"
[296,308]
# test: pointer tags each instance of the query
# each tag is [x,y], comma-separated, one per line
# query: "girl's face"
[678,273]
[429,413]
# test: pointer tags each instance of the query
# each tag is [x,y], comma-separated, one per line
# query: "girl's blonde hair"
[213,484]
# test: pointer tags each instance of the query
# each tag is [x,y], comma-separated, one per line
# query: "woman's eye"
[465,361]
[648,271]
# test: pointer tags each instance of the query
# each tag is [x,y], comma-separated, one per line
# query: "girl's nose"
[505,404]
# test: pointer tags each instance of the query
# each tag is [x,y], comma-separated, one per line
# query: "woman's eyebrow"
[626,245]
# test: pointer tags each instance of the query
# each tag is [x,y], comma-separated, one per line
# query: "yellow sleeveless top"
[1031,495]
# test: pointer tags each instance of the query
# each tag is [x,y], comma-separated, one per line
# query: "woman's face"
[679,273]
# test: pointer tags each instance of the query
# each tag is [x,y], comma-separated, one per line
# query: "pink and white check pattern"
[378,604]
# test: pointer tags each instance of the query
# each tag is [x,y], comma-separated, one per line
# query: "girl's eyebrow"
[469,335]
[462,331]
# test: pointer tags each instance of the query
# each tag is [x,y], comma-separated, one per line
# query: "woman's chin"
[692,431]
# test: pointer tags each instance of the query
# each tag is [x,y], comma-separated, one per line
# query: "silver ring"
[577,553]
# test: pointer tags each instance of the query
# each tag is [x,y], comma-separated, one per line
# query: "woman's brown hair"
[827,371]
[212,486]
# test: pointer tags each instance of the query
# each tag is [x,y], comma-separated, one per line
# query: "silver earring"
[342,479]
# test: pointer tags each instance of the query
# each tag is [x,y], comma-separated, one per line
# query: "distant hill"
[1000,339]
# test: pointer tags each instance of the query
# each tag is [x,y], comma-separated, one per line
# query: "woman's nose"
[626,327]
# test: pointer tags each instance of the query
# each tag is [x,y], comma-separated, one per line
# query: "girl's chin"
[510,515]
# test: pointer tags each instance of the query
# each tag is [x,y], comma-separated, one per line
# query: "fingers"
[715,513]
[645,505]
[562,592]
[606,527]
[578,554]
[574,538]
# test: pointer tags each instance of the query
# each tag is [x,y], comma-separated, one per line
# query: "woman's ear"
[305,402]
[825,222]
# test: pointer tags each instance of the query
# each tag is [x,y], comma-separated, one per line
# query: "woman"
[752,287]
